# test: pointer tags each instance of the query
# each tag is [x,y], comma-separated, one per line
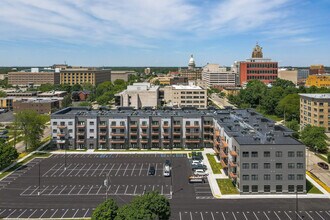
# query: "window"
[267,154]
[254,177]
[290,176]
[291,154]
[91,123]
[266,165]
[278,154]
[245,154]
[278,165]
[254,188]
[291,165]
[300,165]
[70,131]
[279,177]
[300,188]
[246,177]
[266,176]
[91,130]
[300,153]
[55,123]
[266,188]
[278,188]
[70,123]
[245,166]
[300,176]
[246,188]
[254,166]
[254,154]
[122,123]
[291,188]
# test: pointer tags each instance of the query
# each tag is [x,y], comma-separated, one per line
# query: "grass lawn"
[310,188]
[216,167]
[226,186]
[322,157]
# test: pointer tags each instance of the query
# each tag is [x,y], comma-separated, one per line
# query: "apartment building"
[318,80]
[214,75]
[316,69]
[185,96]
[258,68]
[257,155]
[81,75]
[121,74]
[314,110]
[139,95]
[41,106]
[34,77]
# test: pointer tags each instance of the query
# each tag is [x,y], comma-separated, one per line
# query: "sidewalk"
[212,177]
[119,152]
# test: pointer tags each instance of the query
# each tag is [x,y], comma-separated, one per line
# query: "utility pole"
[171,169]
[39,180]
[296,202]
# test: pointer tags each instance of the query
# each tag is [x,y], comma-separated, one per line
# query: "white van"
[167,171]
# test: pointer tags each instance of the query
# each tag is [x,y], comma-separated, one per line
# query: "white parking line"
[277,216]
[266,215]
[32,213]
[54,213]
[135,190]
[156,169]
[52,191]
[72,189]
[255,215]
[140,169]
[99,190]
[234,215]
[118,169]
[191,216]
[95,169]
[49,170]
[90,190]
[309,215]
[80,190]
[162,192]
[65,213]
[62,190]
[245,216]
[88,170]
[21,213]
[43,213]
[65,170]
[103,170]
[126,189]
[212,216]
[133,170]
[25,190]
[80,170]
[144,189]
[117,189]
[319,215]
[44,190]
[33,191]
[327,213]
[72,170]
[125,170]
[287,215]
[148,169]
[57,170]
[75,213]
[85,213]
[201,215]
[3,211]
[11,213]
[180,216]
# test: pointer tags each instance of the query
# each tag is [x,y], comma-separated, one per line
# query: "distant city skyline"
[162,33]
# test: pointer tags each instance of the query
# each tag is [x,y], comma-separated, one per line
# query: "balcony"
[103,141]
[176,140]
[80,141]
[118,134]
[155,133]
[232,175]
[133,125]
[232,164]
[60,141]
[155,126]
[193,134]
[118,126]
[207,125]
[61,126]
[216,150]
[103,133]
[166,134]
[61,134]
[192,126]
[133,133]
[80,133]
[155,141]
[192,140]
[166,141]
[144,126]
[144,134]
[144,141]
[177,126]
[217,133]
[102,126]
[208,141]
[223,154]
[133,140]
[166,126]
[224,143]
[118,141]
[223,163]
[233,153]
[216,143]
[81,125]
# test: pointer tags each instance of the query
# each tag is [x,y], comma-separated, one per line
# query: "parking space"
[85,156]
[203,191]
[253,215]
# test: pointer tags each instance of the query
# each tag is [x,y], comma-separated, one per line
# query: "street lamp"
[39,180]
[171,147]
[106,184]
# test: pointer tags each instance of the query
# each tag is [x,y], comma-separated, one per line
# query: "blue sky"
[162,32]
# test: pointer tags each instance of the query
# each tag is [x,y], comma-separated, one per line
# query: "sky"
[162,32]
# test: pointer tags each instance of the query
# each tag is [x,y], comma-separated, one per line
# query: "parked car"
[167,171]
[198,166]
[151,171]
[167,162]
[3,132]
[200,172]
[197,156]
[197,162]
[323,165]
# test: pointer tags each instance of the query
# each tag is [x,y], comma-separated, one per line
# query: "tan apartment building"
[185,96]
[35,77]
[121,74]
[82,75]
[297,76]
[139,95]
[314,110]
[41,106]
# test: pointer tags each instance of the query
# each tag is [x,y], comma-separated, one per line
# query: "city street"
[322,174]
[221,102]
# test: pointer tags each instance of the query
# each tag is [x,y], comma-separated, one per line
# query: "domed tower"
[257,52]
[191,64]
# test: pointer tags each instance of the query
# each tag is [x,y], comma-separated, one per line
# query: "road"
[312,160]
[222,102]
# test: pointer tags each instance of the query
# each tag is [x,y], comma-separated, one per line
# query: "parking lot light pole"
[106,184]
[39,180]
[171,170]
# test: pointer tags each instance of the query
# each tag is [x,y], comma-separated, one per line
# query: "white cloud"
[135,22]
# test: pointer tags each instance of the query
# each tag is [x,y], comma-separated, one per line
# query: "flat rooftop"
[316,96]
[245,125]
[184,87]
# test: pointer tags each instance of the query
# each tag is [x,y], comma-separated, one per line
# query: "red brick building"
[258,68]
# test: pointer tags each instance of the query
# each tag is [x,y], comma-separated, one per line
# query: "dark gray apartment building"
[257,155]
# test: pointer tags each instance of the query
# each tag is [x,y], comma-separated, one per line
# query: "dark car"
[323,165]
[151,171]
[167,162]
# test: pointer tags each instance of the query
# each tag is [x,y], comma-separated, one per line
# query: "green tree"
[32,125]
[157,82]
[254,92]
[76,87]
[3,94]
[66,102]
[315,138]
[293,125]
[271,99]
[151,205]
[88,87]
[7,154]
[283,83]
[289,107]
[106,210]
[88,104]
[46,87]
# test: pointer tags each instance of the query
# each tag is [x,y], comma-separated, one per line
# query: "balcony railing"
[155,126]
[233,153]
[102,126]
[166,141]
[80,133]
[232,164]
[144,141]
[155,141]
[166,126]
[103,133]
[60,141]
[232,175]
[177,126]
[103,141]
[133,125]
[192,140]
[118,134]
[193,134]
[224,143]
[118,126]
[223,163]
[176,140]
[61,126]
[61,134]
[81,141]
[223,154]
[192,126]
[117,141]
[144,126]
[144,134]
[81,125]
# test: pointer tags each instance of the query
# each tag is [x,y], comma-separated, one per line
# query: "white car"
[200,172]
[197,162]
